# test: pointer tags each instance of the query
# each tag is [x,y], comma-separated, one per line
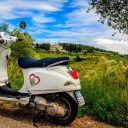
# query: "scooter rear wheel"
[72,109]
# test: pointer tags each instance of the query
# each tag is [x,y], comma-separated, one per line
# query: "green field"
[104,81]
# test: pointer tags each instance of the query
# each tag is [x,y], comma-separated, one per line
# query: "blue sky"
[61,21]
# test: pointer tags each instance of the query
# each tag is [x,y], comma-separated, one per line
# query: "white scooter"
[50,85]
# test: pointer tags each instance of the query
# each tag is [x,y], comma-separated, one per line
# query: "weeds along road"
[19,118]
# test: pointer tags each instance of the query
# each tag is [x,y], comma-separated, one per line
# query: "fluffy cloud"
[23,8]
[80,3]
[81,18]
[45,5]
[112,45]
[86,25]
[42,19]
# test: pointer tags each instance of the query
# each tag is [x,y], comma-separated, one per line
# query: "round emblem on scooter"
[34,80]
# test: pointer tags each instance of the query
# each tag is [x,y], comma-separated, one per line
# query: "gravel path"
[18,118]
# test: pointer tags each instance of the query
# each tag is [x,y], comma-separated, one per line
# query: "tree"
[78,58]
[37,45]
[90,50]
[72,47]
[113,12]
[45,46]
[4,27]
[23,48]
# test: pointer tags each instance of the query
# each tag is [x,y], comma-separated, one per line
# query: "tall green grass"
[104,86]
[105,89]
[15,74]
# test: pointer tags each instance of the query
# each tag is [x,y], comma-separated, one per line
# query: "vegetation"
[105,88]
[45,46]
[114,12]
[104,80]
[103,74]
[4,28]
[72,47]
[24,47]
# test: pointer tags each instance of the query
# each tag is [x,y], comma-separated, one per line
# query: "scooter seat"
[25,62]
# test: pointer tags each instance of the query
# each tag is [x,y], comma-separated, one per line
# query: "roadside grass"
[105,89]
[104,81]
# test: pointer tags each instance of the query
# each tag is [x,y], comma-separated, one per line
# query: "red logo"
[34,80]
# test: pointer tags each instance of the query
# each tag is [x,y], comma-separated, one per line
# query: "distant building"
[57,47]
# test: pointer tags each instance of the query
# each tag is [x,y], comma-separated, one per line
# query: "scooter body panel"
[48,80]
[5,52]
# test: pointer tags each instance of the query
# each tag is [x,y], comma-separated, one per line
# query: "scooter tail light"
[74,74]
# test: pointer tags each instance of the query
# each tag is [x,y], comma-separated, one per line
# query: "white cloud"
[85,25]
[112,45]
[42,19]
[23,8]
[80,17]
[31,5]
[80,3]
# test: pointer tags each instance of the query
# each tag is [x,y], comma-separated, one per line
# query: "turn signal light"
[74,74]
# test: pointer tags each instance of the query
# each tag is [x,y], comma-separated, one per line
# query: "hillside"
[104,81]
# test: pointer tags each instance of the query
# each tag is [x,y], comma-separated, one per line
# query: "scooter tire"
[73,111]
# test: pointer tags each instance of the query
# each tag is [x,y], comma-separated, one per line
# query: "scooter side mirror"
[22,24]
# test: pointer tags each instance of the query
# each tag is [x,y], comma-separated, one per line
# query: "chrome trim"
[57,63]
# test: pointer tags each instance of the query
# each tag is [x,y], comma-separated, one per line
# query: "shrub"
[78,58]
[23,48]
[105,89]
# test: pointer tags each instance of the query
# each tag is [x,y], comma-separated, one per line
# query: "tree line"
[70,47]
[45,46]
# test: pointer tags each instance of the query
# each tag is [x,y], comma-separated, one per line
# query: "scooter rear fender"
[49,80]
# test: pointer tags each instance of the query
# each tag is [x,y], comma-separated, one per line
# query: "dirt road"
[18,118]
